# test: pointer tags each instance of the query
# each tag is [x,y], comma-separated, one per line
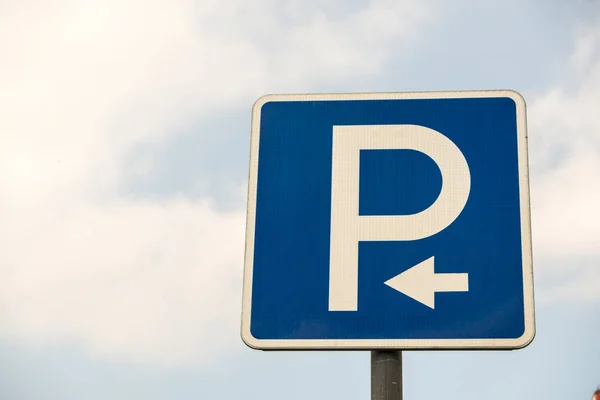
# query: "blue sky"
[124,135]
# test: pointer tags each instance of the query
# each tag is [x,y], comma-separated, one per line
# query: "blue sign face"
[389,221]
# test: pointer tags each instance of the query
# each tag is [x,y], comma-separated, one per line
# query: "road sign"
[389,220]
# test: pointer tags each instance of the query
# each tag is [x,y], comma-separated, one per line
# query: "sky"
[124,145]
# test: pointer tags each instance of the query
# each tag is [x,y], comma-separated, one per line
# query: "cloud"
[84,83]
[139,279]
[565,163]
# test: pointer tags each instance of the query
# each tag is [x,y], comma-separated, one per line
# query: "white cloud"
[136,279]
[565,158]
[84,82]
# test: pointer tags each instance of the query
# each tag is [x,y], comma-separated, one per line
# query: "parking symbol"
[348,227]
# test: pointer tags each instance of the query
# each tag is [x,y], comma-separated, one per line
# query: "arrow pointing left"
[421,282]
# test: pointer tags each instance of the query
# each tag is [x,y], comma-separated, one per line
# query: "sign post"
[388,222]
[386,375]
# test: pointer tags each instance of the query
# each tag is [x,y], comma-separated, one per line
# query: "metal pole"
[386,375]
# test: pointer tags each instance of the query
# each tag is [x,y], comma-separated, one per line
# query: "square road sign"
[389,220]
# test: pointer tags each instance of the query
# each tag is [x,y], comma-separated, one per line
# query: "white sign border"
[395,344]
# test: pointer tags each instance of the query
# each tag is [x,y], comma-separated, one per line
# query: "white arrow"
[421,282]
